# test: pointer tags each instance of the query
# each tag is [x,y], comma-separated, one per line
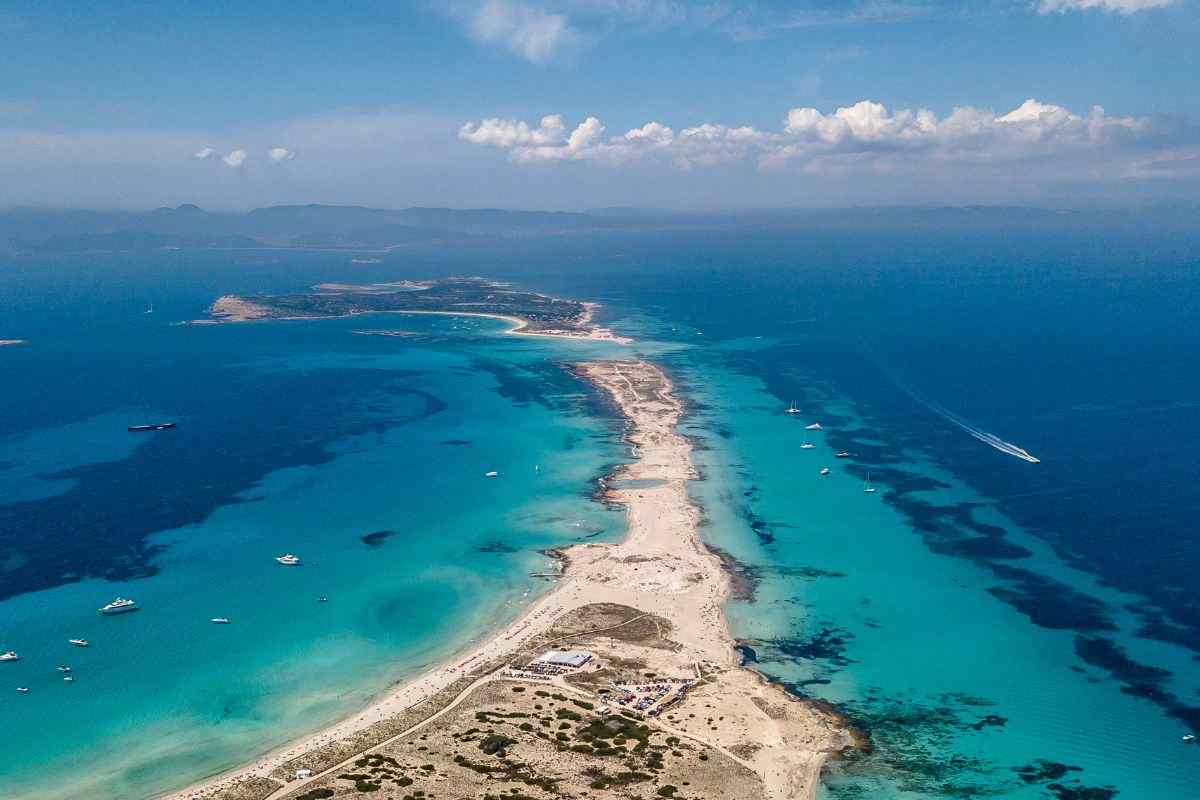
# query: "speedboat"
[807,446]
[118,606]
[78,642]
[492,474]
[69,678]
[9,656]
[1190,738]
[288,560]
[842,454]
[219,620]
[816,426]
[824,470]
[23,689]
[63,668]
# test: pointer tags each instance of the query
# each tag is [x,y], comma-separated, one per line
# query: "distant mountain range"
[360,228]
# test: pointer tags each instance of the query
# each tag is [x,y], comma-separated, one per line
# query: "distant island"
[531,313]
[360,230]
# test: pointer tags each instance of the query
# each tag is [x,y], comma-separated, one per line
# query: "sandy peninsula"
[662,706]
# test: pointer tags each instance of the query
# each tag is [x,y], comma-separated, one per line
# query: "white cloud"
[1118,6]
[204,153]
[280,154]
[235,158]
[509,133]
[533,33]
[866,135]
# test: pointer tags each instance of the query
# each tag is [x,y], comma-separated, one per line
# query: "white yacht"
[63,668]
[23,689]
[78,642]
[1190,738]
[842,454]
[792,409]
[118,606]
[69,678]
[824,470]
[867,487]
[816,426]
[219,620]
[807,445]
[9,655]
[288,560]
[492,474]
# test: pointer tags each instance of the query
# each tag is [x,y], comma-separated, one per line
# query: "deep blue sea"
[997,628]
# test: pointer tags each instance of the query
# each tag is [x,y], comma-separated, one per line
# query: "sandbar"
[661,570]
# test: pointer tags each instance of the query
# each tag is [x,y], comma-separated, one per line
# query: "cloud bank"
[866,136]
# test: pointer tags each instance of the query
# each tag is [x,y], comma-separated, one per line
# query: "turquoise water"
[956,688]
[162,696]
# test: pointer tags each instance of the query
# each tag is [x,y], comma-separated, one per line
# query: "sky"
[577,104]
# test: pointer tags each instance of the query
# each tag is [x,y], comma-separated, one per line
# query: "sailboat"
[867,487]
[792,409]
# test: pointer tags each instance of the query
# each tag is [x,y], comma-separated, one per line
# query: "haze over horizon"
[580,104]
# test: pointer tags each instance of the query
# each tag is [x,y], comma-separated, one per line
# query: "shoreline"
[662,565]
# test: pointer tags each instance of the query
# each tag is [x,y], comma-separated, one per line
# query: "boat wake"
[990,439]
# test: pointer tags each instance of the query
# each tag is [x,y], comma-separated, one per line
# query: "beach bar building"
[567,658]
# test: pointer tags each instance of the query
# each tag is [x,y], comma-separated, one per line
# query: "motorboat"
[121,605]
[288,560]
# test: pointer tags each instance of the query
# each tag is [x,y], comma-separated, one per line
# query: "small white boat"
[78,642]
[23,689]
[288,560]
[792,409]
[1190,738]
[69,678]
[119,606]
[816,426]
[63,668]
[824,470]
[492,474]
[219,620]
[807,445]
[9,655]
[842,454]
[867,487]
[322,599]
